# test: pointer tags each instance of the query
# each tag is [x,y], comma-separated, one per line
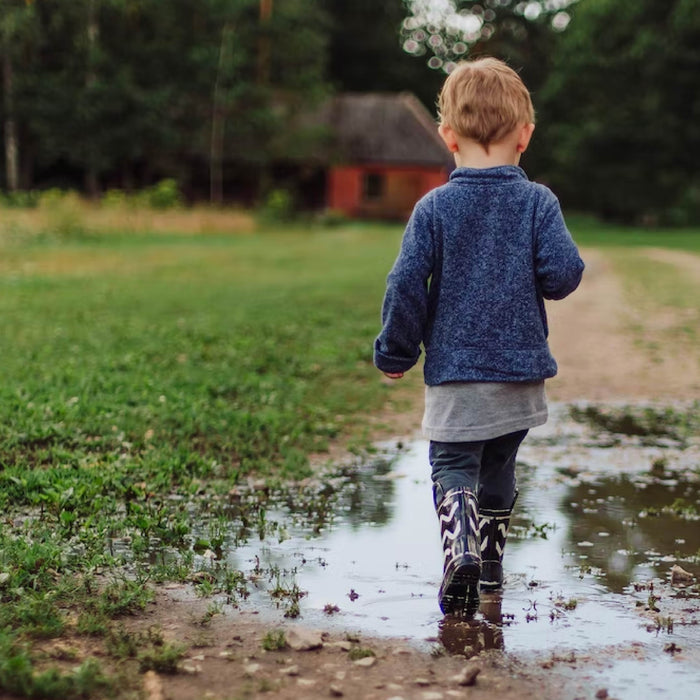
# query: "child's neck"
[473,155]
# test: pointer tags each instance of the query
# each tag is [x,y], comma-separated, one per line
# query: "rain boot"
[458,512]
[493,531]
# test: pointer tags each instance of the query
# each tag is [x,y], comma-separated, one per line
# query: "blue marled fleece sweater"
[478,257]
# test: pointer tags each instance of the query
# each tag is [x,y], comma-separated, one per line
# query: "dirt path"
[609,349]
[597,338]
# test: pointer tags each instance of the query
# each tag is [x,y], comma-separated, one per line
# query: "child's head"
[484,100]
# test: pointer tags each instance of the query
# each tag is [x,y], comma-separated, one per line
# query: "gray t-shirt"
[468,411]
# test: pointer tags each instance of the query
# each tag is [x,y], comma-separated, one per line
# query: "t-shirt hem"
[485,432]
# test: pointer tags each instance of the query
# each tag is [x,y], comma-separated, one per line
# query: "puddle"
[598,525]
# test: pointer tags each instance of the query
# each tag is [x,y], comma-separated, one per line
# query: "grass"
[149,371]
[144,373]
[590,232]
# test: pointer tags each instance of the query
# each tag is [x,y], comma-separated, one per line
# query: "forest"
[99,95]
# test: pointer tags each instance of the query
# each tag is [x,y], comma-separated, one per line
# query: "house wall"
[379,191]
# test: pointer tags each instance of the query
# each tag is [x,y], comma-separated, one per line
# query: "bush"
[22,199]
[278,206]
[163,195]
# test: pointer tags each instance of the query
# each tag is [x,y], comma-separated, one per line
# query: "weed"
[18,676]
[360,653]
[159,655]
[124,597]
[213,610]
[532,530]
[274,640]
[568,605]
[292,595]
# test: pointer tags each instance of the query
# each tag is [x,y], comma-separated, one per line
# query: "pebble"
[336,691]
[190,669]
[290,670]
[468,675]
[306,682]
[432,695]
[152,686]
[680,575]
[304,640]
[342,645]
[4,578]
[251,669]
[602,694]
[422,682]
[366,662]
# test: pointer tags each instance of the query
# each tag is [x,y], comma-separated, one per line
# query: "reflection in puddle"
[595,533]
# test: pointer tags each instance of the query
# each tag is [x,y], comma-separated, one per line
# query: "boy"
[478,257]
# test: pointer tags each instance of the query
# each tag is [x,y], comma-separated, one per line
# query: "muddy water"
[600,521]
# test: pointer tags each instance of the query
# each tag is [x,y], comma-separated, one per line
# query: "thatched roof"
[385,128]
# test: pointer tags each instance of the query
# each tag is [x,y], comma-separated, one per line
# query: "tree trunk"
[10,125]
[216,147]
[92,184]
[264,43]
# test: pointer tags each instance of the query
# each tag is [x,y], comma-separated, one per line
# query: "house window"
[373,186]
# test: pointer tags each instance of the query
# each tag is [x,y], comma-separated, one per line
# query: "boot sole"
[459,594]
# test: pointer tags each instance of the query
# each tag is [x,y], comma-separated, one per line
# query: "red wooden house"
[387,154]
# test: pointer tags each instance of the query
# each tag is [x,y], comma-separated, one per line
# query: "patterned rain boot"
[458,512]
[493,531]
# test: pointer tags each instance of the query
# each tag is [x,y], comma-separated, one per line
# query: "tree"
[443,32]
[620,112]
[16,32]
[365,51]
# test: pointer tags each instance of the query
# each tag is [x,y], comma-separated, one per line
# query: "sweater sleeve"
[558,265]
[404,310]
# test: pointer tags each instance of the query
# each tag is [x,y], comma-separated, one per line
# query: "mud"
[601,520]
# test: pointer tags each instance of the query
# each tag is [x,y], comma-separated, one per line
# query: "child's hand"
[393,375]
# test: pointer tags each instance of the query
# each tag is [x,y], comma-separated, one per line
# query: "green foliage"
[619,111]
[101,88]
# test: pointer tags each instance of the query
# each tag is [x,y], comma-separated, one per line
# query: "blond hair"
[484,100]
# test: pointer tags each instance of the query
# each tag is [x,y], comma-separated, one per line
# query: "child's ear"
[524,137]
[449,137]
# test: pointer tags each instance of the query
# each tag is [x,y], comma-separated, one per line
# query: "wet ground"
[601,519]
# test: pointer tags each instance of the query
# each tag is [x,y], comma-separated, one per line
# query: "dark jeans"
[486,467]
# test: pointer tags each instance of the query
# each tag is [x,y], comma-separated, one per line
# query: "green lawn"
[588,231]
[144,377]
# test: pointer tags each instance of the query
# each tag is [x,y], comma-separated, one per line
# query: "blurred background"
[240,101]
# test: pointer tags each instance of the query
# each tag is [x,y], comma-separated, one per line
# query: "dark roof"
[384,128]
